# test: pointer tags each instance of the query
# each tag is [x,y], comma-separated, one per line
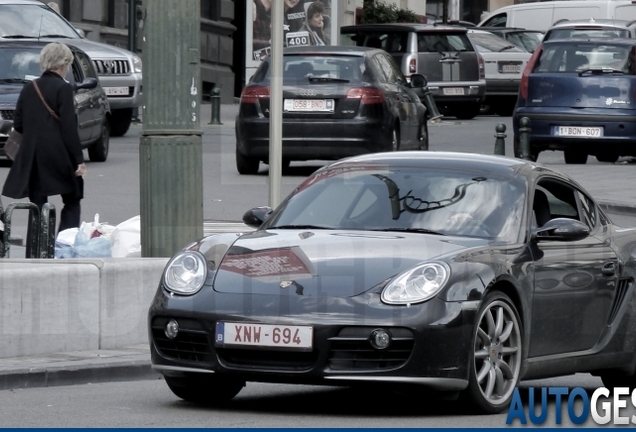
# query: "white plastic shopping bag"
[125,239]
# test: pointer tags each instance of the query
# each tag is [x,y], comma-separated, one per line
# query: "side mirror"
[256,216]
[80,32]
[88,83]
[562,229]
[418,80]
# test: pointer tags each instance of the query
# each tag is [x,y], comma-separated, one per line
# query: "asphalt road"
[151,404]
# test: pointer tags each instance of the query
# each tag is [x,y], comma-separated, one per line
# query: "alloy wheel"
[497,354]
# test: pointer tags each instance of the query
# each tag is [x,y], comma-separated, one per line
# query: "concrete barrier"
[49,306]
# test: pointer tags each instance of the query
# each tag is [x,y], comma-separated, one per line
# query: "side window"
[554,199]
[588,210]
[377,67]
[499,20]
[395,70]
[86,65]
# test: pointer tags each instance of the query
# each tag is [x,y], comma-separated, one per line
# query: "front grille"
[270,360]
[352,351]
[7,114]
[112,67]
[191,344]
[621,290]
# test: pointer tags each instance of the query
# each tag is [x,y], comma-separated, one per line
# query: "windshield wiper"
[507,48]
[13,81]
[17,36]
[298,227]
[55,36]
[412,230]
[327,79]
[601,70]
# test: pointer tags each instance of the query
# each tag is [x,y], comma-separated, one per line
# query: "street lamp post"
[170,154]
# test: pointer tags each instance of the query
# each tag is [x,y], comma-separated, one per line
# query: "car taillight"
[525,76]
[253,94]
[482,67]
[413,66]
[366,95]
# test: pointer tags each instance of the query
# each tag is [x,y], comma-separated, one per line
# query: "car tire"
[120,121]
[505,108]
[575,157]
[423,136]
[607,157]
[613,379]
[495,360]
[98,151]
[534,153]
[468,111]
[205,390]
[246,164]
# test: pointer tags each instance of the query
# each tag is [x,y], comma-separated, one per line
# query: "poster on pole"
[305,23]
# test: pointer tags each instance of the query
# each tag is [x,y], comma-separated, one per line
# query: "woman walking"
[50,160]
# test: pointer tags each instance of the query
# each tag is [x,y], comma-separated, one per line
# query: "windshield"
[576,57]
[529,40]
[444,202]
[19,64]
[33,21]
[488,42]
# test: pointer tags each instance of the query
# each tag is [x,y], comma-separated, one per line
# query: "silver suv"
[442,53]
[119,70]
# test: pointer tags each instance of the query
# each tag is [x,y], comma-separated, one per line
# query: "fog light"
[380,339]
[172,329]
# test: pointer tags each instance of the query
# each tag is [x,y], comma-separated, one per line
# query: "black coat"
[49,145]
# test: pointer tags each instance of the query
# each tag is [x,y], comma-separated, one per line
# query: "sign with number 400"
[297,38]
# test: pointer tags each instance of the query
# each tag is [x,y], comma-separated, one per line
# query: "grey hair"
[54,56]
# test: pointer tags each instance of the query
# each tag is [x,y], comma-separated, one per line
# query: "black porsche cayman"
[448,271]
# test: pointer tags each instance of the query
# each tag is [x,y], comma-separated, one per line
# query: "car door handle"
[609,269]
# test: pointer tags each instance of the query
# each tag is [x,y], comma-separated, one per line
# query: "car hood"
[326,263]
[9,95]
[96,50]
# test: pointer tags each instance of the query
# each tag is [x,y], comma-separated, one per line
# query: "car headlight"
[136,63]
[416,284]
[186,273]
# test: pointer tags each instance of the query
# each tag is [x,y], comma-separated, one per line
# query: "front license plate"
[116,91]
[509,67]
[454,91]
[296,338]
[580,131]
[305,105]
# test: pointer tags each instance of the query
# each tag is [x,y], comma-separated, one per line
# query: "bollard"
[215,102]
[433,113]
[500,142]
[47,231]
[524,138]
[34,221]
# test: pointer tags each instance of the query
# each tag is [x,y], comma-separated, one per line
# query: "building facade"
[107,21]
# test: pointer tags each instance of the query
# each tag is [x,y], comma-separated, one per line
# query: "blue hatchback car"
[580,96]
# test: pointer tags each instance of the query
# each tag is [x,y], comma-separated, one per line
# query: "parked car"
[591,28]
[525,39]
[338,101]
[119,70]
[443,54]
[579,97]
[504,63]
[448,271]
[19,64]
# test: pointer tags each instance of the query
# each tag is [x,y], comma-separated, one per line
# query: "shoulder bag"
[14,140]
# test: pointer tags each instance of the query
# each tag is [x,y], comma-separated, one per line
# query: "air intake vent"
[191,344]
[7,114]
[621,291]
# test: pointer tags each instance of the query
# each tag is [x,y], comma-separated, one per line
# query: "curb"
[132,370]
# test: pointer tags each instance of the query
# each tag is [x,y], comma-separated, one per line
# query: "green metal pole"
[170,154]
